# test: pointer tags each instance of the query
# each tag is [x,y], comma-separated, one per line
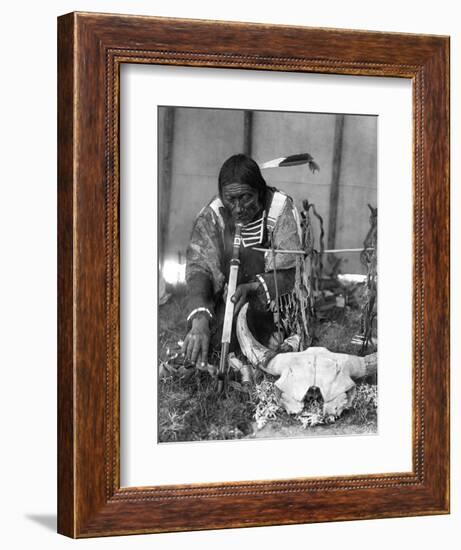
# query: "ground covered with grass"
[191,410]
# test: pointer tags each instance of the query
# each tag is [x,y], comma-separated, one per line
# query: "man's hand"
[197,340]
[242,294]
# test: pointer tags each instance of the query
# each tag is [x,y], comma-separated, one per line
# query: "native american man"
[269,219]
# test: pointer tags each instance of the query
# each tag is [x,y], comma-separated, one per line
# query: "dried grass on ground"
[191,410]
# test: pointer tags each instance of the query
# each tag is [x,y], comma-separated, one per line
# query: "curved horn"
[255,352]
[362,366]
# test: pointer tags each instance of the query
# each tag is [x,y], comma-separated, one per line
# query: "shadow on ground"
[48,521]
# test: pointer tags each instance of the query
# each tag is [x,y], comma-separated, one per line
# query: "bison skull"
[333,373]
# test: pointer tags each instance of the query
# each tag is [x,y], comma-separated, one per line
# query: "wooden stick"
[303,253]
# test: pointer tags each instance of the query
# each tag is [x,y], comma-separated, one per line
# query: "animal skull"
[332,373]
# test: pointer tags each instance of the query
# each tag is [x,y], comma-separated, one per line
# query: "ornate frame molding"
[91,49]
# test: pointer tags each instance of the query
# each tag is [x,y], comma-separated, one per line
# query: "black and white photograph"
[268,273]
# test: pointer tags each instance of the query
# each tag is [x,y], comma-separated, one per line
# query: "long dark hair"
[242,169]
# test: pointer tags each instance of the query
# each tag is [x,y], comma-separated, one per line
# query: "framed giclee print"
[233,198]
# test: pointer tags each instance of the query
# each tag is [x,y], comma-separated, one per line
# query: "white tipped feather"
[274,163]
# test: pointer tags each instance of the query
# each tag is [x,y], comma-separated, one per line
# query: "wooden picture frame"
[92,48]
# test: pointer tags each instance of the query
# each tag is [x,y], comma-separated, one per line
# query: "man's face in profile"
[241,201]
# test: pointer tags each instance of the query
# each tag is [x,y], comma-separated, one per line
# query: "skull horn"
[358,367]
[259,356]
[255,352]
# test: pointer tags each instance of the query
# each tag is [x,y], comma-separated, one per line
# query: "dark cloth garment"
[208,260]
[260,323]
[260,317]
